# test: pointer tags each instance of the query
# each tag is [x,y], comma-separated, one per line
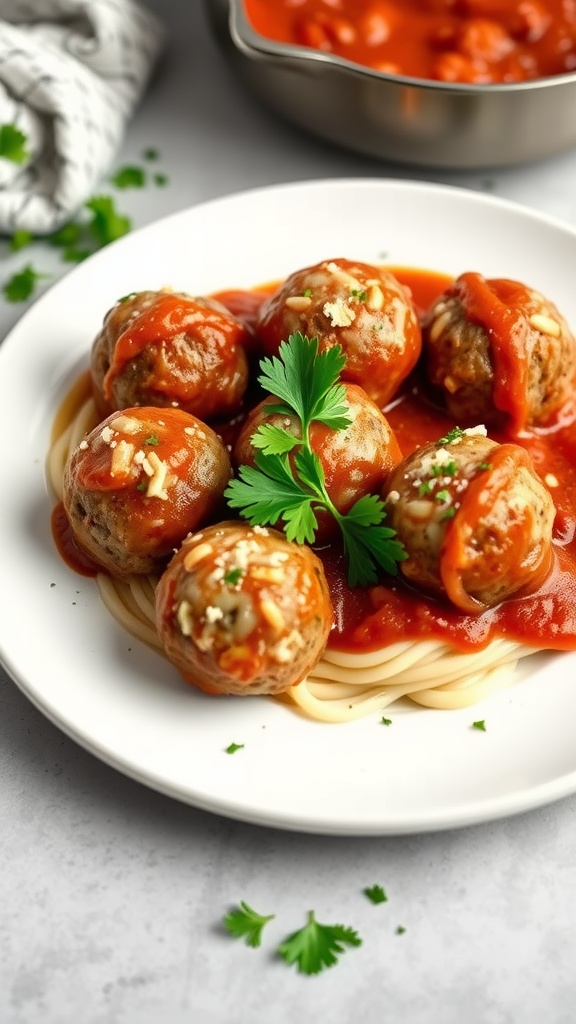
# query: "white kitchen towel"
[71,74]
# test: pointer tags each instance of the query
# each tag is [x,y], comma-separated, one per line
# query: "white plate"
[429,769]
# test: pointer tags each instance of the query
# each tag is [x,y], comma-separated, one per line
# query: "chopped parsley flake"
[375,894]
[129,177]
[13,144]
[453,435]
[400,929]
[359,294]
[484,465]
[233,747]
[443,495]
[480,725]
[20,239]
[152,439]
[22,284]
[233,576]
[385,721]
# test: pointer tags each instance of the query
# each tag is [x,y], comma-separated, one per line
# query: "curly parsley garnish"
[306,383]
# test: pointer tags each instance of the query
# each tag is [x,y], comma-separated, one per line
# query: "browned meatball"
[166,348]
[138,483]
[242,610]
[474,517]
[356,460]
[361,307]
[500,353]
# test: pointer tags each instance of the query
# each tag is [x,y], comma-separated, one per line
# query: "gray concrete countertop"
[112,895]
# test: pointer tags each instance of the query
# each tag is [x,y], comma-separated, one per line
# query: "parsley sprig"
[290,490]
[245,922]
[316,946]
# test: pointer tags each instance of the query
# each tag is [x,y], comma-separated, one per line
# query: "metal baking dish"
[394,118]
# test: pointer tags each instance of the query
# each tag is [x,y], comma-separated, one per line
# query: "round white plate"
[428,769]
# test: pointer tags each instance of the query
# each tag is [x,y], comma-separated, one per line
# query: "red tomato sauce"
[469,41]
[366,619]
[374,617]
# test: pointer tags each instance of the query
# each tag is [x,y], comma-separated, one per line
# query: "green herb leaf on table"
[375,894]
[22,284]
[129,177]
[20,239]
[306,383]
[316,946]
[244,922]
[107,224]
[13,144]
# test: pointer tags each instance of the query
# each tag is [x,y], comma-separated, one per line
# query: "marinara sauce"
[469,41]
[373,617]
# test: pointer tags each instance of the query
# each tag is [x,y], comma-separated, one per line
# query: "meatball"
[242,610]
[474,517]
[363,308]
[138,483]
[166,348]
[356,460]
[499,352]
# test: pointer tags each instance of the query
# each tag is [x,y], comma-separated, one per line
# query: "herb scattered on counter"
[20,239]
[107,224]
[129,177]
[375,894]
[480,725]
[244,922]
[233,747]
[385,721]
[22,284]
[13,144]
[160,180]
[316,946]
[150,154]
[400,930]
[306,383]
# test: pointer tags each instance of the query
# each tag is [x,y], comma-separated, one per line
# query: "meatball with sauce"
[474,517]
[356,459]
[499,352]
[140,482]
[166,348]
[242,610]
[360,307]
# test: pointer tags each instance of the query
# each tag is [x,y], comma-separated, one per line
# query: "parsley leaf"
[13,144]
[376,894]
[480,725]
[22,284]
[233,747]
[107,224]
[244,922]
[129,177]
[20,239]
[305,381]
[290,490]
[316,946]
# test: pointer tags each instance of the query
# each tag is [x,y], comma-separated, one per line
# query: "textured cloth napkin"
[71,74]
